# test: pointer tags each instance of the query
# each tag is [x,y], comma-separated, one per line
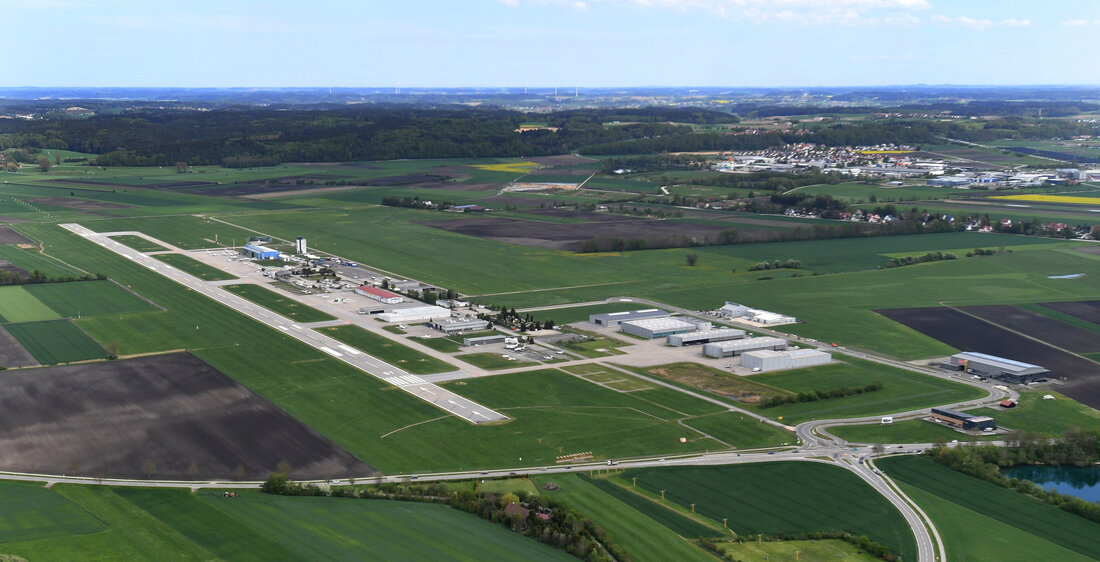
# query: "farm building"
[615,318]
[483,340]
[657,327]
[379,294]
[769,360]
[415,314]
[962,419]
[995,367]
[457,325]
[705,337]
[257,252]
[737,347]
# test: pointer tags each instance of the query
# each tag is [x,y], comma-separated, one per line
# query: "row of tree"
[776,264]
[36,277]
[821,395]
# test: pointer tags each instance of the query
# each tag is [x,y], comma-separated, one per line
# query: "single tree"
[238,472]
[692,259]
[181,167]
[44,163]
[283,468]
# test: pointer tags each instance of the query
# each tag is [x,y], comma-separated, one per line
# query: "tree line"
[821,395]
[36,277]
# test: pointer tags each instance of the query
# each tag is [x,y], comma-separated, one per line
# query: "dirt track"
[159,414]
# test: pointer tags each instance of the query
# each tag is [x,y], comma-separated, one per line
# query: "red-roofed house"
[379,294]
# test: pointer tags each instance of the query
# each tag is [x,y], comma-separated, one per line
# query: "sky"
[549,43]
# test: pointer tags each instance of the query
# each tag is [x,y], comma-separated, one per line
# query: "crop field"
[12,353]
[772,497]
[55,341]
[670,515]
[971,334]
[29,260]
[390,351]
[88,298]
[18,305]
[194,267]
[494,361]
[138,243]
[808,551]
[187,232]
[1088,311]
[901,391]
[81,522]
[1048,416]
[855,191]
[166,416]
[1010,508]
[1038,327]
[643,537]
[278,303]
[1072,200]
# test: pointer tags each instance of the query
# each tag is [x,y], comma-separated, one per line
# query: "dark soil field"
[1039,327]
[1085,310]
[406,179]
[568,236]
[10,236]
[162,185]
[154,417]
[12,353]
[85,205]
[249,189]
[8,267]
[971,334]
[563,160]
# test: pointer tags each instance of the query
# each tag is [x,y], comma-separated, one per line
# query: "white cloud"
[1075,23]
[512,3]
[1013,22]
[801,12]
[980,24]
[580,6]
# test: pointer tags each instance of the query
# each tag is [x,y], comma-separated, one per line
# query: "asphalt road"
[431,393]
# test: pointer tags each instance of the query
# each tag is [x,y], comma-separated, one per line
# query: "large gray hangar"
[657,327]
[737,347]
[999,368]
[705,336]
[615,318]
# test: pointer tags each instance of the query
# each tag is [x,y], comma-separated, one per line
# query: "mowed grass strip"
[783,497]
[905,431]
[493,361]
[88,298]
[664,514]
[138,243]
[56,341]
[390,351]
[278,303]
[804,551]
[194,267]
[1004,505]
[19,305]
[29,511]
[643,537]
[1033,413]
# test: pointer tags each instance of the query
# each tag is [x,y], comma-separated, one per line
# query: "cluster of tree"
[767,181]
[512,319]
[925,258]
[410,202]
[862,541]
[649,212]
[1076,447]
[821,395]
[648,163]
[563,527]
[36,277]
[776,264]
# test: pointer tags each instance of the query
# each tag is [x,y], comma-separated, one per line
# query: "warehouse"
[457,325]
[705,336]
[650,328]
[415,314]
[765,360]
[379,294]
[613,319]
[963,420]
[734,310]
[483,340]
[995,367]
[259,252]
[737,347]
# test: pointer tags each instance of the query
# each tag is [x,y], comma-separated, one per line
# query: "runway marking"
[331,351]
[405,380]
[350,350]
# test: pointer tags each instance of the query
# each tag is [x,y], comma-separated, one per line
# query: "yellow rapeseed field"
[514,167]
[1053,199]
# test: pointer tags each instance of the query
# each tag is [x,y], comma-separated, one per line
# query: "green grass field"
[644,538]
[513,485]
[494,361]
[439,343]
[138,243]
[102,523]
[387,350]
[1048,416]
[906,431]
[668,514]
[902,390]
[56,341]
[19,305]
[805,551]
[773,497]
[88,298]
[194,267]
[31,260]
[278,303]
[968,494]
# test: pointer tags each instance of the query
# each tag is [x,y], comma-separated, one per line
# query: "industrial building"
[415,314]
[483,340]
[963,420]
[705,336]
[765,360]
[613,319]
[995,367]
[455,325]
[737,347]
[380,294]
[300,246]
[734,310]
[650,328]
[259,252]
